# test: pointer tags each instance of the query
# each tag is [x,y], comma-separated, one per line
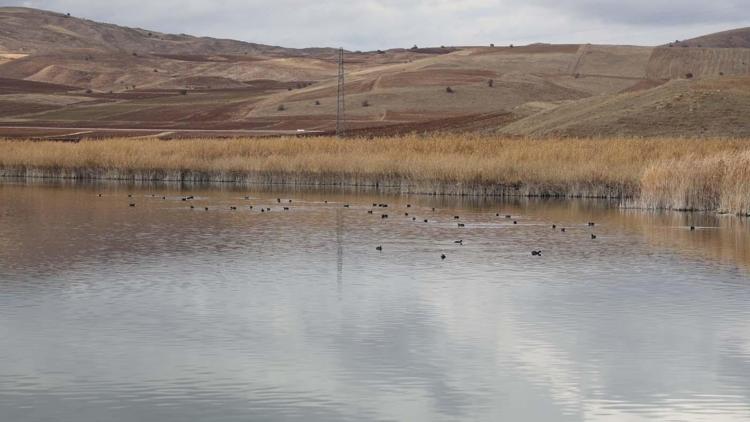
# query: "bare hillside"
[60,71]
[28,31]
[735,38]
[686,108]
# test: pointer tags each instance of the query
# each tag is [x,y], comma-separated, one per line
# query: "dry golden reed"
[709,174]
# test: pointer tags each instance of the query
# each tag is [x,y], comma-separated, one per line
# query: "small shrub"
[135,54]
[511,46]
[365,103]
[415,47]
[449,90]
[89,91]
[721,73]
[689,75]
[492,45]
[317,103]
[280,107]
[183,92]
[156,70]
[491,83]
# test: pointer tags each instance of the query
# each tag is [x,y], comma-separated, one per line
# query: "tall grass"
[709,174]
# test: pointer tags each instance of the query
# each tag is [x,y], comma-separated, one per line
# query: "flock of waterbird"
[383,215]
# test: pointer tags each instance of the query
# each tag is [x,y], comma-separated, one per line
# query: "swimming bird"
[261,210]
[515,222]
[191,197]
[461,225]
[247,197]
[554,226]
[290,201]
[206,208]
[325,202]
[278,200]
[132,205]
[442,256]
[286,208]
[163,197]
[184,199]
[433,209]
[562,229]
[591,224]
[425,220]
[233,208]
[251,207]
[497,214]
[346,205]
[406,214]
[268,209]
[384,216]
[692,228]
[459,242]
[414,219]
[536,253]
[455,217]
[130,196]
[408,205]
[508,216]
[369,212]
[100,195]
[192,207]
[374,205]
[593,236]
[379,248]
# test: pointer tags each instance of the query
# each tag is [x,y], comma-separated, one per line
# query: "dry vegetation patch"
[708,174]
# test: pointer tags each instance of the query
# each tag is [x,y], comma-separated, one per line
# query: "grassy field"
[709,174]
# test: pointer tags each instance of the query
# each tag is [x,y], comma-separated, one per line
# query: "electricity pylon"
[340,104]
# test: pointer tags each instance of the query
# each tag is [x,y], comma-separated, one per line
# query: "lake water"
[160,312]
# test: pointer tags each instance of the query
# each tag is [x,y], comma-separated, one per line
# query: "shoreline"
[399,185]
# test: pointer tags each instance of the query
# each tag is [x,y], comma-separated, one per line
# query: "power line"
[340,105]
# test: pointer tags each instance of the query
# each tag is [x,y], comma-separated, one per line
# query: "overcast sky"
[373,24]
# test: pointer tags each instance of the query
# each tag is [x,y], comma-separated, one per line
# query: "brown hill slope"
[62,71]
[28,31]
[735,38]
[686,108]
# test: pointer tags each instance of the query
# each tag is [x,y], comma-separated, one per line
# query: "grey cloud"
[371,24]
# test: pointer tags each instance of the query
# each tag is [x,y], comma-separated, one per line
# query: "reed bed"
[709,174]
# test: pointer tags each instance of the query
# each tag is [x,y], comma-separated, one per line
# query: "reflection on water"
[162,312]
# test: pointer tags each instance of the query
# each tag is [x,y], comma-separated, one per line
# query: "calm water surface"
[160,312]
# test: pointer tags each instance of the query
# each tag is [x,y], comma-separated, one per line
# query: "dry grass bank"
[711,174]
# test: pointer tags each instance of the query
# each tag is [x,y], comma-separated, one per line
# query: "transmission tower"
[340,105]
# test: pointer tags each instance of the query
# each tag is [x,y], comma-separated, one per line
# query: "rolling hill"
[58,71]
[735,38]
